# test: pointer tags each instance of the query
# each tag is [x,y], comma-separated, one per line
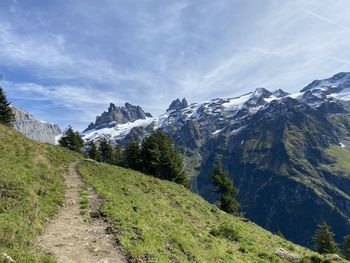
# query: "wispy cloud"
[330,21]
[77,56]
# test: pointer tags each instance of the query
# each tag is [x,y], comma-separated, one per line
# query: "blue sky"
[65,60]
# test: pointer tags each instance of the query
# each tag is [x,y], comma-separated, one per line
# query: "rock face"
[34,128]
[287,153]
[118,115]
[178,105]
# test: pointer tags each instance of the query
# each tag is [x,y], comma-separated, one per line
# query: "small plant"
[84,201]
[48,258]
[226,231]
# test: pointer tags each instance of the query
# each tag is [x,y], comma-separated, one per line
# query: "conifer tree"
[223,185]
[324,240]
[160,158]
[117,156]
[6,114]
[93,152]
[106,152]
[132,155]
[72,140]
[346,247]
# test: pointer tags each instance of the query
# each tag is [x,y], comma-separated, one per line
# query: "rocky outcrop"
[178,105]
[35,128]
[290,257]
[118,115]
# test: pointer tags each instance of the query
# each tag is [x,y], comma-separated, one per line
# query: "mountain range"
[287,153]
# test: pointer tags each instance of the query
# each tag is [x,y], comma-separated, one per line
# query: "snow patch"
[343,95]
[58,138]
[217,131]
[120,131]
[236,102]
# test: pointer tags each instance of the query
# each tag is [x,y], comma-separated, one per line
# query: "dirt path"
[75,238]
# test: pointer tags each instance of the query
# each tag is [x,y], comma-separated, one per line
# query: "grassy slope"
[31,189]
[159,221]
[341,157]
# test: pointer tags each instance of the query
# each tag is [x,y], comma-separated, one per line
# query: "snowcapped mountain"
[284,151]
[35,128]
[213,115]
[118,122]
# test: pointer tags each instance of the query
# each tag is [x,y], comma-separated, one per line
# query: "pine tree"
[346,247]
[72,140]
[93,152]
[223,185]
[324,240]
[132,155]
[106,152]
[160,158]
[6,114]
[117,156]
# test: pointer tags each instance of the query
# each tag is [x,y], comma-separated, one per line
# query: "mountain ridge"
[316,120]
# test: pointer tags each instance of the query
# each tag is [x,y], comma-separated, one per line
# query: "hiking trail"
[72,237]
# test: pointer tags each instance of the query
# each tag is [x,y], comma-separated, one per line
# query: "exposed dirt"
[73,237]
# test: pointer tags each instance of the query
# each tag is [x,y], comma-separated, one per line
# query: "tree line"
[155,155]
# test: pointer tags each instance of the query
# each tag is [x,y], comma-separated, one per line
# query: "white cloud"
[86,54]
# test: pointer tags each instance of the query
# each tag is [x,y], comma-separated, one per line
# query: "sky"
[66,60]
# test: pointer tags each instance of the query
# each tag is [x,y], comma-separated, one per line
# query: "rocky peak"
[262,92]
[336,83]
[280,93]
[178,105]
[257,98]
[118,115]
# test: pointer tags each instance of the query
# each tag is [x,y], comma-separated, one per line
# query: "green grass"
[154,220]
[159,221]
[341,158]
[31,190]
[84,201]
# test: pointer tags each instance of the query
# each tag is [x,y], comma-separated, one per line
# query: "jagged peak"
[261,92]
[118,115]
[338,79]
[178,104]
[279,93]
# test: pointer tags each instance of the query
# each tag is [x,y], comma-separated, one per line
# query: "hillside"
[290,169]
[159,221]
[152,220]
[276,146]
[31,190]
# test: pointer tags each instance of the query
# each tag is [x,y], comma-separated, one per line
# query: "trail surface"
[75,238]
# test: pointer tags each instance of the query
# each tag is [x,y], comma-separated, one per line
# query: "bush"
[226,231]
